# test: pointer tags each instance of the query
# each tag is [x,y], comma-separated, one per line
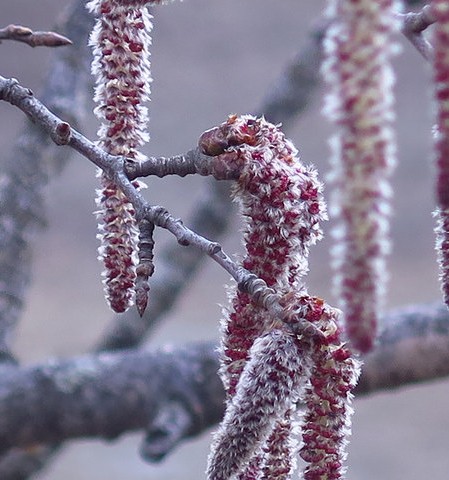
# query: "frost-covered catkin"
[282,206]
[328,395]
[121,67]
[358,48]
[281,203]
[440,11]
[280,450]
[270,384]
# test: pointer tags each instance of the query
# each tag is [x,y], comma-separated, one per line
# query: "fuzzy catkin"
[266,368]
[120,42]
[269,386]
[358,48]
[281,202]
[328,394]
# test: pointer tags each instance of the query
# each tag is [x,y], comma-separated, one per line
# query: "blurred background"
[211,58]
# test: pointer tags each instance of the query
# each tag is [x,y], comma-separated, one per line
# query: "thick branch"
[412,348]
[31,38]
[172,394]
[175,394]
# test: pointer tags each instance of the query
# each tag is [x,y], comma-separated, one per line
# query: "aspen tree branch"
[32,38]
[413,26]
[210,218]
[108,394]
[173,394]
[413,347]
[62,134]
[64,94]
[191,163]
[30,165]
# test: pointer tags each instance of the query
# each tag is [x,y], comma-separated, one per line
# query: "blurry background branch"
[413,26]
[27,170]
[174,393]
[31,164]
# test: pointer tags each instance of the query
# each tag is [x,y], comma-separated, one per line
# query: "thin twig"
[194,162]
[33,38]
[211,218]
[113,166]
[413,26]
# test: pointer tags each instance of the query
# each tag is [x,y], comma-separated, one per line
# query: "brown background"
[211,58]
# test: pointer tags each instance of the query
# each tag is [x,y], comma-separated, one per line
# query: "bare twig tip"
[23,34]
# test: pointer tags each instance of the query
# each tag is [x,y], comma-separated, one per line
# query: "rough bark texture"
[174,394]
[108,394]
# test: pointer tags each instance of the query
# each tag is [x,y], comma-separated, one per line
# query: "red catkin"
[358,48]
[282,205]
[120,42]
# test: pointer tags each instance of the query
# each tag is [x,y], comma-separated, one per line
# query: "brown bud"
[213,142]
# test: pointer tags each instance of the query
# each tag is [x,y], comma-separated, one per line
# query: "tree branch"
[210,218]
[173,394]
[33,39]
[29,167]
[194,162]
[62,134]
[412,348]
[33,161]
[413,26]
